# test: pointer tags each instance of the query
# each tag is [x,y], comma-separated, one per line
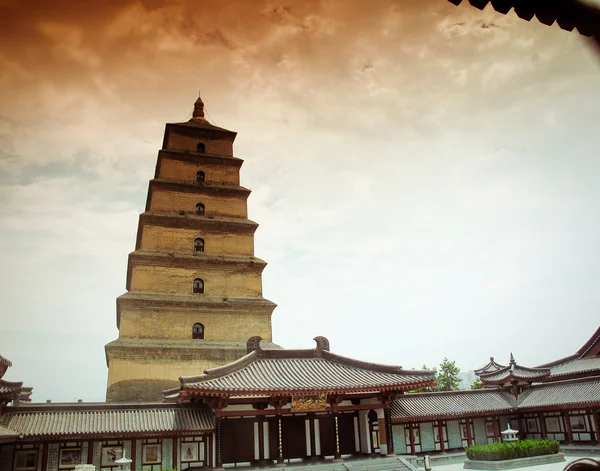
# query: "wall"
[453,428]
[218,282]
[175,201]
[223,146]
[176,170]
[219,324]
[171,240]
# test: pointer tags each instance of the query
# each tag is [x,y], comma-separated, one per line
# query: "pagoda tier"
[194,285]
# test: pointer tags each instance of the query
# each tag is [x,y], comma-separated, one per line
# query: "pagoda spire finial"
[198,108]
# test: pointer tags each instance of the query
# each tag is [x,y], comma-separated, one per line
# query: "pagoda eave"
[221,225]
[197,158]
[198,188]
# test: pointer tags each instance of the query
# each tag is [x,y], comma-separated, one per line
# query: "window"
[199,244]
[200,176]
[198,331]
[198,286]
[199,209]
[201,148]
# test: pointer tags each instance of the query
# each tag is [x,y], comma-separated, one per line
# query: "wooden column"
[334,400]
[134,454]
[389,433]
[218,404]
[279,438]
[261,438]
[208,450]
[218,459]
[336,429]
[496,428]
[313,438]
[176,447]
[596,419]
[567,423]
[44,456]
[543,430]
[411,438]
[522,424]
[90,454]
[441,434]
[360,438]
[469,434]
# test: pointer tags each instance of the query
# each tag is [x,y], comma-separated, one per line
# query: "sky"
[424,175]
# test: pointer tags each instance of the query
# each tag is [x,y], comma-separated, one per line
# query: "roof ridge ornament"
[253,344]
[322,343]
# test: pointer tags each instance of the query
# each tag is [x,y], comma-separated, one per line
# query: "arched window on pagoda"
[201,148]
[199,245]
[198,331]
[198,286]
[199,209]
[200,177]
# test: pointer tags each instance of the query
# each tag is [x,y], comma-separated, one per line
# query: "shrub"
[509,451]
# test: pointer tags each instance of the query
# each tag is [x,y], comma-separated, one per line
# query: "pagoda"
[194,286]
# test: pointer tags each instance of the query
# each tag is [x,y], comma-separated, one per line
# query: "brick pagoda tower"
[194,287]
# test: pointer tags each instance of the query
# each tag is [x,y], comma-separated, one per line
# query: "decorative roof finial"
[198,108]
[512,358]
[491,358]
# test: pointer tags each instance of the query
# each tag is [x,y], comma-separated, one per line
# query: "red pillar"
[496,428]
[596,419]
[175,448]
[469,434]
[543,429]
[568,431]
[411,438]
[133,455]
[389,433]
[44,456]
[441,434]
[90,454]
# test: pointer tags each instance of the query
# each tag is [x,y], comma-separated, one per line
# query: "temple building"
[194,286]
[195,381]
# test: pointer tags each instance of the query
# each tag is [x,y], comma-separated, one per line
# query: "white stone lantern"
[510,435]
[124,463]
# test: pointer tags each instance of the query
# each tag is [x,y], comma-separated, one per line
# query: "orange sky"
[415,166]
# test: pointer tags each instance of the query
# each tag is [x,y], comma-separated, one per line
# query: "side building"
[194,286]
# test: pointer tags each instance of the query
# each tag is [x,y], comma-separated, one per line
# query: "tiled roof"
[5,364]
[585,362]
[76,420]
[282,372]
[13,391]
[7,432]
[514,373]
[5,361]
[565,393]
[489,367]
[577,366]
[569,14]
[202,124]
[451,404]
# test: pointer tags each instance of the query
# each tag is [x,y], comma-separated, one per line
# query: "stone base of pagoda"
[141,369]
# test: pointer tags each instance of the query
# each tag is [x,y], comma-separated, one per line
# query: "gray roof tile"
[73,420]
[564,393]
[451,404]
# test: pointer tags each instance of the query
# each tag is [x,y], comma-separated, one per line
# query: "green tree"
[477,384]
[447,376]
